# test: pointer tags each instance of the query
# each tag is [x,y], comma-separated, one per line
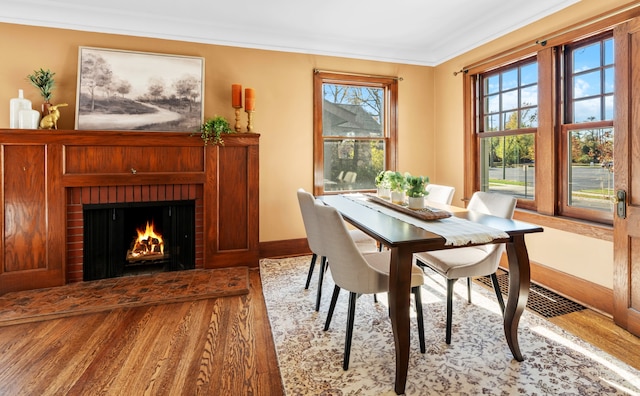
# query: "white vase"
[15,106]
[397,197]
[384,193]
[416,202]
[28,119]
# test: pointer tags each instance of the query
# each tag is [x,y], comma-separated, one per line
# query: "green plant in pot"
[44,82]
[397,183]
[213,128]
[416,190]
[384,184]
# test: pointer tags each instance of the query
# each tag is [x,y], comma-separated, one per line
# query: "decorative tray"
[426,213]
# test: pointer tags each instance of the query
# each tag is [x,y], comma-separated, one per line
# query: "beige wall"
[283,84]
[584,257]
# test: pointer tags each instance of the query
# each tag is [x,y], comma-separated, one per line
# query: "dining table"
[404,236]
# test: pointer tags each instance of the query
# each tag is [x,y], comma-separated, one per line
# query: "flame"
[148,242]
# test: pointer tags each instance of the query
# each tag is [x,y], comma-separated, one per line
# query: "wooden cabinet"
[41,168]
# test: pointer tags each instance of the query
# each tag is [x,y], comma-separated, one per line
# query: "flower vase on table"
[384,192]
[398,197]
[416,190]
[398,183]
[416,202]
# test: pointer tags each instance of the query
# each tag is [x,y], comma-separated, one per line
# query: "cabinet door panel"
[32,239]
[234,198]
[25,233]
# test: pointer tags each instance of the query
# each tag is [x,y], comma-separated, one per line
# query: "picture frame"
[139,91]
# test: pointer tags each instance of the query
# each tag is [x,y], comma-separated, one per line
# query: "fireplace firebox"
[124,239]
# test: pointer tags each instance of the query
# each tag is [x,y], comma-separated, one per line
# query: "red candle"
[249,99]
[236,95]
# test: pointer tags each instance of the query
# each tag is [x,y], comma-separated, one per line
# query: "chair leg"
[375,298]
[311,267]
[469,289]
[332,306]
[350,320]
[450,283]
[418,298]
[323,265]
[496,288]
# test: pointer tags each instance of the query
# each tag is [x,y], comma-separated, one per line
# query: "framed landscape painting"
[126,90]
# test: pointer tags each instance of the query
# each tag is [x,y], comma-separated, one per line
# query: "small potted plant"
[44,82]
[416,190]
[397,183]
[383,184]
[213,128]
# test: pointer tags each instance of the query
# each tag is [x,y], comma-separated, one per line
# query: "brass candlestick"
[250,121]
[237,127]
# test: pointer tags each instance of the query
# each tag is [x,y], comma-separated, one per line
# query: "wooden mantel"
[39,167]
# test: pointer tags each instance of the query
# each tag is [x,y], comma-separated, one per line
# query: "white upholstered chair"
[471,261]
[440,194]
[364,242]
[358,272]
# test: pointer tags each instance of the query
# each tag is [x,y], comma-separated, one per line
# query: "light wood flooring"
[218,346]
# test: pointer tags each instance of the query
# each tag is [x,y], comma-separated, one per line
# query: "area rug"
[130,291]
[478,361]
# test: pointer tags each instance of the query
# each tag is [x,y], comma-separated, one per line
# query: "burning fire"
[148,242]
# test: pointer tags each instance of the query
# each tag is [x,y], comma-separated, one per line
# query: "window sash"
[575,192]
[506,153]
[586,190]
[375,145]
[508,97]
[589,86]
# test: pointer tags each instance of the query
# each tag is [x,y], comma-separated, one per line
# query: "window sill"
[575,226]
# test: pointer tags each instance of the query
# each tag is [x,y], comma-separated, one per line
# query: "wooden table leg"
[399,302]
[519,281]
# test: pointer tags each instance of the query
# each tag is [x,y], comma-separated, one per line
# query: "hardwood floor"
[210,347]
[600,331]
[218,346]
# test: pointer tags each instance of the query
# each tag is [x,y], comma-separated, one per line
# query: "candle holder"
[237,127]
[250,120]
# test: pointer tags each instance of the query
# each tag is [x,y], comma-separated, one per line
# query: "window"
[543,128]
[354,131]
[509,118]
[587,133]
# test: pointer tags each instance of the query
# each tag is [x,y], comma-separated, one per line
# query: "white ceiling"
[421,32]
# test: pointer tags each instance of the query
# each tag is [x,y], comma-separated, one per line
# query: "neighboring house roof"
[348,120]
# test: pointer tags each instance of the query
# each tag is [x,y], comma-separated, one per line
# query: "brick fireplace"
[78,197]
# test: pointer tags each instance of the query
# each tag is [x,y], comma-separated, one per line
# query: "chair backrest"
[312,228]
[349,268]
[440,194]
[350,177]
[494,204]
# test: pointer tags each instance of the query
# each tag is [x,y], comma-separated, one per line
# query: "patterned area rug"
[478,361]
[131,291]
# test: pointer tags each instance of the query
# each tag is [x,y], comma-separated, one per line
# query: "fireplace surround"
[82,201]
[48,177]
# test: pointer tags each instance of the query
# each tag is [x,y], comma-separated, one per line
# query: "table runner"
[456,231]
